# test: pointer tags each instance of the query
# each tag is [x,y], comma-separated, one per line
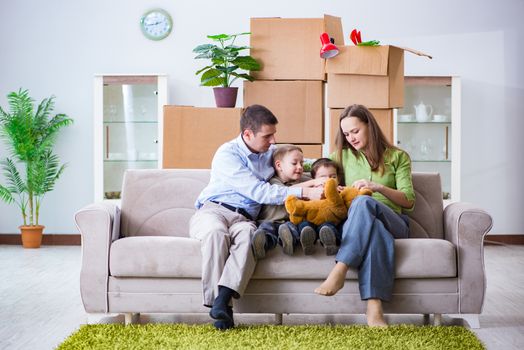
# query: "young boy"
[288,163]
[329,235]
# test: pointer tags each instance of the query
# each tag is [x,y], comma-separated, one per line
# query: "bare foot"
[375,314]
[334,282]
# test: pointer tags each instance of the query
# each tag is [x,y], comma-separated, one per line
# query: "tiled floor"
[40,302]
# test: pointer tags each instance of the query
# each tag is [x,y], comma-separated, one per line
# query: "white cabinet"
[127,128]
[428,128]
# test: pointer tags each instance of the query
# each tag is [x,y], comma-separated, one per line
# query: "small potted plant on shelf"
[32,169]
[226,62]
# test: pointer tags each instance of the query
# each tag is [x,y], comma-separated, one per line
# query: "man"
[228,206]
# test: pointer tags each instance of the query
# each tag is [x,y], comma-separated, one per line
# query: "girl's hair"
[282,150]
[377,142]
[326,162]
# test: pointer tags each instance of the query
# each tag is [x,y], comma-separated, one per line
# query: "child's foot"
[258,243]
[328,240]
[286,238]
[334,282]
[375,314]
[307,240]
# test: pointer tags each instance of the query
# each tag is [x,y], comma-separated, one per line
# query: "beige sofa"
[139,259]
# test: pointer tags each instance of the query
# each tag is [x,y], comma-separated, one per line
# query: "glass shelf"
[129,161]
[131,122]
[425,123]
[431,160]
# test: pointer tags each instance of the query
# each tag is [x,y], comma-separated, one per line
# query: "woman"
[373,223]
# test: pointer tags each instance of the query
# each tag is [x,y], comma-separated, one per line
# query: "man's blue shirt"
[240,177]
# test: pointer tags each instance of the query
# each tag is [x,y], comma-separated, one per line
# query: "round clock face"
[156,24]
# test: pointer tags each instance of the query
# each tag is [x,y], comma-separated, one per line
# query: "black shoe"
[225,324]
[307,240]
[258,243]
[222,313]
[286,238]
[328,240]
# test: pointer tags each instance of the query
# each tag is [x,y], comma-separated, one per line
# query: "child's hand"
[319,182]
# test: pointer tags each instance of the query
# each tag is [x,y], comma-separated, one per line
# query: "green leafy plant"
[226,60]
[33,169]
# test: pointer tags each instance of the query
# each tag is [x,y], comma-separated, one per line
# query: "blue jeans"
[334,228]
[271,229]
[368,244]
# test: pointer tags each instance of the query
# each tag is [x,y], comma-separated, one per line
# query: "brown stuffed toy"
[333,209]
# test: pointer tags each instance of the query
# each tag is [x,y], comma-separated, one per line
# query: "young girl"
[374,222]
[329,235]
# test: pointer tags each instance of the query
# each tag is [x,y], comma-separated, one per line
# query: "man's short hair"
[255,116]
[282,150]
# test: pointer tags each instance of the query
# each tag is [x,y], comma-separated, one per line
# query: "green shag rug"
[261,337]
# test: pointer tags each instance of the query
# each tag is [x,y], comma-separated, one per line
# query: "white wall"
[55,47]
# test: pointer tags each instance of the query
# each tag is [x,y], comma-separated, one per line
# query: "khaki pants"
[227,258]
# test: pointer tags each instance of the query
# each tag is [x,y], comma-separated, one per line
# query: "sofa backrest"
[160,202]
[426,219]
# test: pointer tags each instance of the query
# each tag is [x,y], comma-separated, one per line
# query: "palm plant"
[33,169]
[226,60]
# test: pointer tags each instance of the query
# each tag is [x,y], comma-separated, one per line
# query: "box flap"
[333,26]
[416,52]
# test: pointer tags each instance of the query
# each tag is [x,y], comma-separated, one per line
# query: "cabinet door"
[127,128]
[428,128]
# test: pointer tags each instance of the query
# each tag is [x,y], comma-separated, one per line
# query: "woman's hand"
[395,196]
[373,186]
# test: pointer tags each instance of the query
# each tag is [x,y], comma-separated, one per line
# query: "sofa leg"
[426,319]
[131,317]
[278,319]
[437,319]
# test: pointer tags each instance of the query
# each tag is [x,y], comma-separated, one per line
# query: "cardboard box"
[311,151]
[298,105]
[289,48]
[369,75]
[384,119]
[192,135]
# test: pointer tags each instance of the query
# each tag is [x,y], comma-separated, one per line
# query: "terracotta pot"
[32,236]
[225,96]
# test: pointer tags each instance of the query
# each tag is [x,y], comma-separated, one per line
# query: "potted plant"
[225,62]
[32,169]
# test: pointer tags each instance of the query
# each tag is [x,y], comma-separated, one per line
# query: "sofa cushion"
[181,257]
[155,257]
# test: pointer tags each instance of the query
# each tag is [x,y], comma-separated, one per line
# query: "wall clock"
[156,24]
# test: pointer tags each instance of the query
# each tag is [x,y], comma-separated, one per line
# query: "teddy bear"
[333,209]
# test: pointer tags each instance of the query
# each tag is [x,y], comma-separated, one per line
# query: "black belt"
[241,211]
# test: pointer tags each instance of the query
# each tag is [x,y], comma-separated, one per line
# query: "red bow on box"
[357,40]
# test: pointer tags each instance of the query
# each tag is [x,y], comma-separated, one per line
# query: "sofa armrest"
[99,226]
[465,226]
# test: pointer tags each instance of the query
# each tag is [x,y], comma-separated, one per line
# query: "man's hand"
[313,193]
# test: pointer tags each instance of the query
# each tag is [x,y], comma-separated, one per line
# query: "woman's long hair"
[377,142]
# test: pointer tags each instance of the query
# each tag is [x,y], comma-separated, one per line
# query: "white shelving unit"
[434,144]
[128,126]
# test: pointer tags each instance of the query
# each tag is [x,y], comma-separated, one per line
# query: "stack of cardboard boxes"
[291,82]
[291,85]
